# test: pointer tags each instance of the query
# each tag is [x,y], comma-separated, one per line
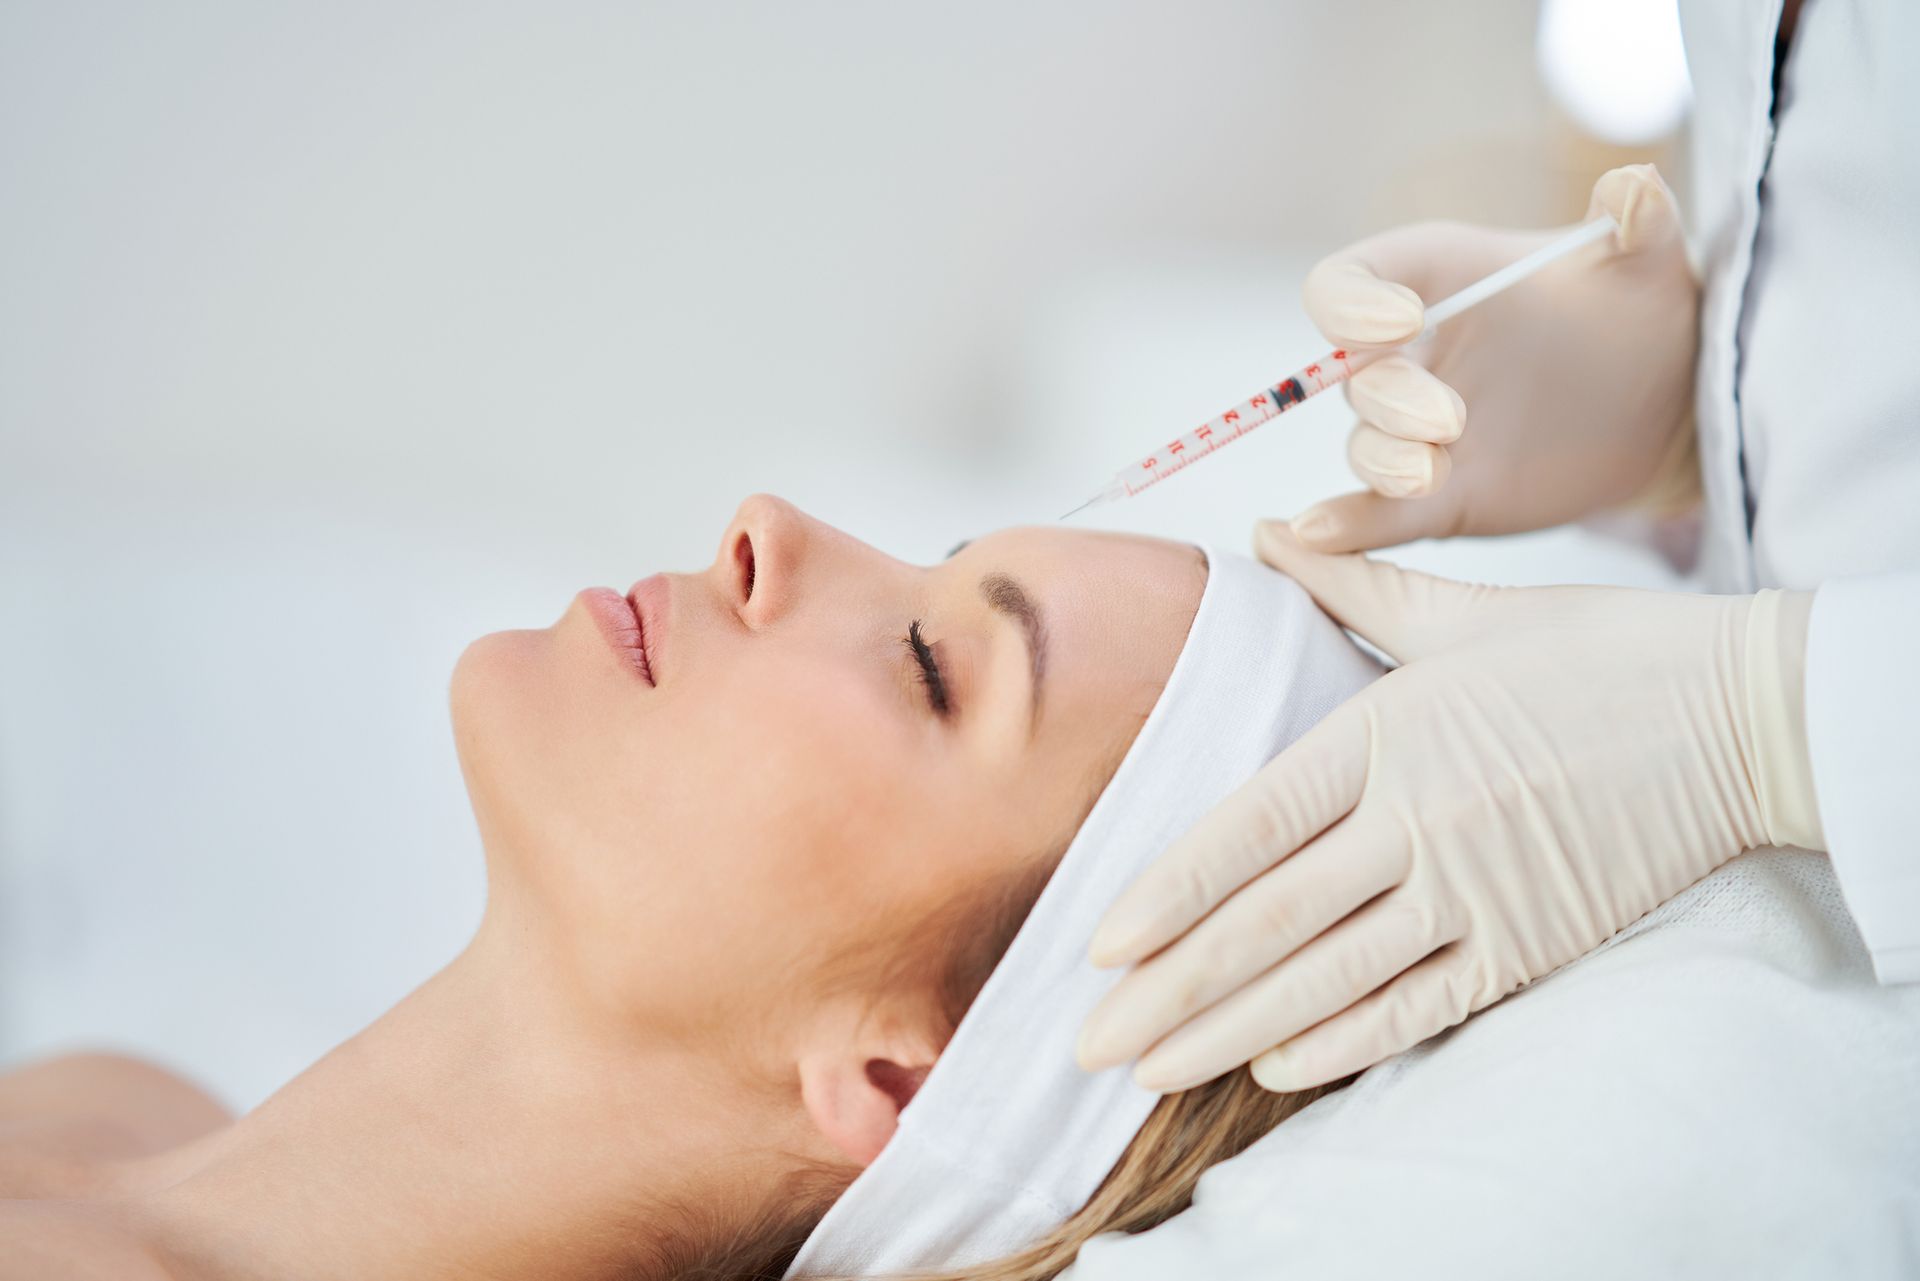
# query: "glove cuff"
[1777,714]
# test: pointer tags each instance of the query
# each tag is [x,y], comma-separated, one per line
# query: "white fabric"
[1008,1137]
[1720,1091]
[1828,392]
[1807,230]
[1730,59]
[1863,693]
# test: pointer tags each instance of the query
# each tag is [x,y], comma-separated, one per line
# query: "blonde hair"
[1185,1135]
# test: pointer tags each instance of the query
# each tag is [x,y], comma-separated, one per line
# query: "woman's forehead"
[1120,602]
[1045,546]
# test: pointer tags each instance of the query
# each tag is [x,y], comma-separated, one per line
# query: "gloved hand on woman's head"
[1546,766]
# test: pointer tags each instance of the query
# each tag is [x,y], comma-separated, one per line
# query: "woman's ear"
[854,1087]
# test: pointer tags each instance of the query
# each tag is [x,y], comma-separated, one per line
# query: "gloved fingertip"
[1316,528]
[1456,424]
[1149,1075]
[1285,547]
[1279,1070]
[1384,313]
[1641,207]
[1275,537]
[1121,939]
[1352,305]
[1090,1050]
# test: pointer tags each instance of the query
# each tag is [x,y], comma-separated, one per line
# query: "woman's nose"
[761,557]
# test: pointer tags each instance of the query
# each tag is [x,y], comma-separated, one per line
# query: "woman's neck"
[478,1129]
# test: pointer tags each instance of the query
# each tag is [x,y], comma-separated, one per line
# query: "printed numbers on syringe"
[1238,421]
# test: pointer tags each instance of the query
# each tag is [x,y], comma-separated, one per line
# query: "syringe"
[1330,370]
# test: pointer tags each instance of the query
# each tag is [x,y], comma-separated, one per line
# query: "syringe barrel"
[1176,455]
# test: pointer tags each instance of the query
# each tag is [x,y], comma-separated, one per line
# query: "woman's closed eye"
[929,671]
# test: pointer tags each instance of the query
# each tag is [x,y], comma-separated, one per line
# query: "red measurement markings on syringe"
[1203,440]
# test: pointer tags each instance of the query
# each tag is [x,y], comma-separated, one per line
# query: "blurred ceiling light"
[1616,66]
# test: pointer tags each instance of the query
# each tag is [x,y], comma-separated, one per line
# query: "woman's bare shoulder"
[95,1069]
[100,1083]
[63,1121]
[64,1241]
[62,1117]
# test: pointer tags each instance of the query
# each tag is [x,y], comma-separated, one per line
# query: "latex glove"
[1568,394]
[1548,765]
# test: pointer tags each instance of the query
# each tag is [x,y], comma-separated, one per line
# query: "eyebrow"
[1005,596]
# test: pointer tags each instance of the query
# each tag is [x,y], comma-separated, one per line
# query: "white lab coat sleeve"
[1863,735]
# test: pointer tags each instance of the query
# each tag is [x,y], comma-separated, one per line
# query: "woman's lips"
[652,602]
[621,623]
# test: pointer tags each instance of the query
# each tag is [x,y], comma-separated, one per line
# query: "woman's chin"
[488,671]
[495,698]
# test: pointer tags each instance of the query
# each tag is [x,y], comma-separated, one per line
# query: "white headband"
[1007,1137]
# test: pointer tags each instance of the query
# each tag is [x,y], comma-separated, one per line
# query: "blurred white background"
[332,336]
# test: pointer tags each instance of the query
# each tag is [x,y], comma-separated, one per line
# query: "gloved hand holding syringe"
[1330,370]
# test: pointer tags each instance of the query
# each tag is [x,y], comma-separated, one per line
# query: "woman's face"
[814,748]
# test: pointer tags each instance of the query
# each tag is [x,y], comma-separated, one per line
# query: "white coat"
[1806,222]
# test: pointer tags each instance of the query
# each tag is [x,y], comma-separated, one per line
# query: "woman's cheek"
[818,766]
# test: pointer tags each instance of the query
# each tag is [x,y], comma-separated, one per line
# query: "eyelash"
[928,670]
